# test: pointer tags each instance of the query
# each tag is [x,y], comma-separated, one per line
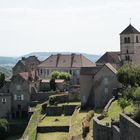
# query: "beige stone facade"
[97,85]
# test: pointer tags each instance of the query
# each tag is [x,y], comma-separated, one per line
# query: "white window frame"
[3,100]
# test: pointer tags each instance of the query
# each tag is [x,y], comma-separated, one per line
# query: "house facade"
[97,85]
[71,63]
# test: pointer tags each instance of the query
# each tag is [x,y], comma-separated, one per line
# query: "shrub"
[3,128]
[137,116]
[123,102]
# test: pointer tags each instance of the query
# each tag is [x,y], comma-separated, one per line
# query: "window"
[19,97]
[127,51]
[125,40]
[106,81]
[18,87]
[84,99]
[137,39]
[40,71]
[106,90]
[48,72]
[3,100]
[128,40]
[127,58]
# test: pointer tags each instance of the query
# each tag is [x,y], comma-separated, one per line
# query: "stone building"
[97,85]
[20,90]
[5,105]
[71,63]
[28,64]
[129,49]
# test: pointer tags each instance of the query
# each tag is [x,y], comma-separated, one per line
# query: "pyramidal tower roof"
[130,30]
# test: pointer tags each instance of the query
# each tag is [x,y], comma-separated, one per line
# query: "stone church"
[129,49]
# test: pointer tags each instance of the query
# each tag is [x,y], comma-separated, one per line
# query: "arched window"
[137,39]
[125,40]
[128,40]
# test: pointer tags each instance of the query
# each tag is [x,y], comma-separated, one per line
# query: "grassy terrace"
[55,121]
[70,103]
[115,110]
[52,136]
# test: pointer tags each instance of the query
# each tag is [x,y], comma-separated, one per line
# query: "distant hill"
[6,63]
[44,55]
[41,55]
[6,70]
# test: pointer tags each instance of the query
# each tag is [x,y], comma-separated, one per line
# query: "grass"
[115,110]
[50,121]
[76,122]
[70,103]
[52,136]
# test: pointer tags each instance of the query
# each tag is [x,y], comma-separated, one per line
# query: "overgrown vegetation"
[129,76]
[3,128]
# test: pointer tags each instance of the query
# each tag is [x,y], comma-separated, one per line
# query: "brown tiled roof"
[94,70]
[130,30]
[66,61]
[110,57]
[90,70]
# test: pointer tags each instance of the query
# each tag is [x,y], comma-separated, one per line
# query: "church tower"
[130,45]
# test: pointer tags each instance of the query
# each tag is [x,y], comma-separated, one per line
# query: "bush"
[3,128]
[123,102]
[137,116]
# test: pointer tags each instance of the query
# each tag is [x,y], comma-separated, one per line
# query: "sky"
[85,26]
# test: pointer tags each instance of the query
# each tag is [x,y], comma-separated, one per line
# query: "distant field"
[52,136]
[55,121]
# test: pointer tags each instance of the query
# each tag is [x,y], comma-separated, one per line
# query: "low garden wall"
[54,111]
[47,129]
[130,130]
[67,110]
[100,131]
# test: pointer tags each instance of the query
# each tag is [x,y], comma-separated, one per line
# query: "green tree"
[2,80]
[65,76]
[129,74]
[3,128]
[55,74]
[123,102]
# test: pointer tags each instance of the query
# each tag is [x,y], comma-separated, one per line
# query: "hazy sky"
[90,26]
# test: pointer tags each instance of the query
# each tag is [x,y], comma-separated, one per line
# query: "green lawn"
[55,121]
[52,136]
[115,110]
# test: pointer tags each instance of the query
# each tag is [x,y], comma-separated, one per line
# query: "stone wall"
[130,130]
[101,132]
[47,129]
[115,133]
[42,96]
[54,111]
[67,110]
